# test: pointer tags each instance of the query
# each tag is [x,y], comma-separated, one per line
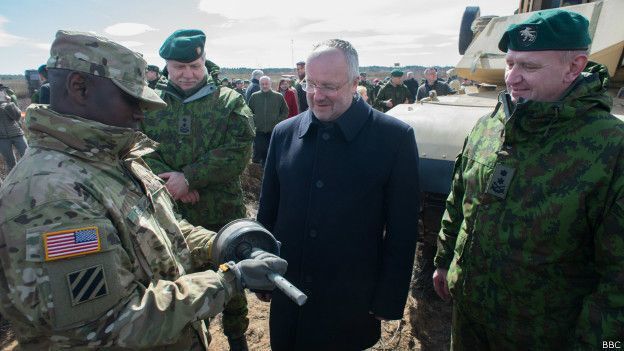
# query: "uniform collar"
[350,122]
[85,138]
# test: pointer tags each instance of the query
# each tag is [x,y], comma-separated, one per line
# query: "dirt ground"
[396,335]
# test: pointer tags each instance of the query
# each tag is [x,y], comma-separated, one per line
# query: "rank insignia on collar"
[500,180]
[71,242]
[87,284]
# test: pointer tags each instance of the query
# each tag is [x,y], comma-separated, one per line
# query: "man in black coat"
[412,84]
[301,94]
[340,191]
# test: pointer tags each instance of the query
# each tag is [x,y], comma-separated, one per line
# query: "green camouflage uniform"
[140,286]
[398,93]
[533,233]
[207,136]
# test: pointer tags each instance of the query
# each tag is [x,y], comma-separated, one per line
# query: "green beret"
[396,73]
[184,45]
[153,68]
[548,30]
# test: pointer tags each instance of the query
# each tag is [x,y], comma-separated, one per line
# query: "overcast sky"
[255,34]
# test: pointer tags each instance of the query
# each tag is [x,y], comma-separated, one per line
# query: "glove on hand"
[253,273]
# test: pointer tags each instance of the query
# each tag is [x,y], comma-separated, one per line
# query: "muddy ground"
[397,335]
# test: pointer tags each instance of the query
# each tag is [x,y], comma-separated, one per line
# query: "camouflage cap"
[548,30]
[99,56]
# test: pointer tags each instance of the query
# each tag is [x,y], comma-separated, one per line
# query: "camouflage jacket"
[92,253]
[10,116]
[399,95]
[208,137]
[534,225]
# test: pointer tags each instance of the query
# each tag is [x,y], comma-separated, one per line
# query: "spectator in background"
[393,93]
[432,83]
[412,84]
[238,86]
[10,132]
[42,96]
[377,85]
[269,108]
[301,94]
[153,75]
[369,87]
[363,93]
[290,95]
[255,84]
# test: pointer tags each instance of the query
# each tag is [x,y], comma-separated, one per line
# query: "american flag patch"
[72,242]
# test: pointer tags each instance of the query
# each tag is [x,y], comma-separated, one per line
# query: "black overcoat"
[330,191]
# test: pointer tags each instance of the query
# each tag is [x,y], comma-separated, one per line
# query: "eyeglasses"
[311,87]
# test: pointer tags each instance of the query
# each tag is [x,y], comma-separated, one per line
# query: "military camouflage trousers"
[468,334]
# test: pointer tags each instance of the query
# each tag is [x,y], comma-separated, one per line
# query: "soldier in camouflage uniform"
[153,76]
[205,136]
[92,254]
[393,93]
[533,233]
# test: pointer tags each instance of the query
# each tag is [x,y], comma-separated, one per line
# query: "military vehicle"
[442,125]
[32,80]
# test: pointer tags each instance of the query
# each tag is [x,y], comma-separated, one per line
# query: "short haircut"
[265,78]
[256,74]
[346,48]
[430,70]
[300,63]
[568,55]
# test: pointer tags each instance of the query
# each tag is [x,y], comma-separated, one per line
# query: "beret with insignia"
[184,45]
[548,30]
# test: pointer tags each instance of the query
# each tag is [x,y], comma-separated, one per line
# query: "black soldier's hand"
[253,272]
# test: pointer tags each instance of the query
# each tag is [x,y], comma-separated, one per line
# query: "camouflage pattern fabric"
[99,56]
[399,95]
[533,233]
[82,176]
[207,137]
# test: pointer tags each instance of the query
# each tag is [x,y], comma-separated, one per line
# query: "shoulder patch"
[71,242]
[87,284]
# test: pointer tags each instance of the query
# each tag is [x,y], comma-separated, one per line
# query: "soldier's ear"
[76,85]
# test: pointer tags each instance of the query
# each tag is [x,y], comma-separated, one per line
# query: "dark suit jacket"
[329,192]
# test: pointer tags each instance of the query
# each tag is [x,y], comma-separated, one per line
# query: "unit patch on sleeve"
[87,284]
[70,243]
